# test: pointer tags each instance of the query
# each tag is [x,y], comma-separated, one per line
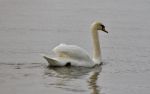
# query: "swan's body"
[76,56]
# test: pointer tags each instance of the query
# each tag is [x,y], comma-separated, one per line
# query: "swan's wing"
[71,52]
[52,61]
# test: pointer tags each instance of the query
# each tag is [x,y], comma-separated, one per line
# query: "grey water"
[29,28]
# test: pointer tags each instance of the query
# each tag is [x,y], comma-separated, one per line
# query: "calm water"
[31,27]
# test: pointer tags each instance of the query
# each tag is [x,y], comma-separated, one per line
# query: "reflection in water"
[92,82]
[75,75]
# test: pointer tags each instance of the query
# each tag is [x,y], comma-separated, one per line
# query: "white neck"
[96,46]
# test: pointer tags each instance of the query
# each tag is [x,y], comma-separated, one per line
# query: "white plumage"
[77,56]
[71,51]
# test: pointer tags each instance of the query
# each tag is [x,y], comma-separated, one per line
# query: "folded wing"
[71,52]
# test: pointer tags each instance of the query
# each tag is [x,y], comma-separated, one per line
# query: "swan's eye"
[103,27]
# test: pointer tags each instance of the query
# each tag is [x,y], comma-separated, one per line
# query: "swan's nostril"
[68,64]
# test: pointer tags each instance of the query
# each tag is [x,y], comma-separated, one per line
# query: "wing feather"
[71,51]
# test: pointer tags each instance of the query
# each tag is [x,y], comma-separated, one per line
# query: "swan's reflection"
[75,76]
[92,82]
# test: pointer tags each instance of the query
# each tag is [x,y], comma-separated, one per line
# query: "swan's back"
[71,52]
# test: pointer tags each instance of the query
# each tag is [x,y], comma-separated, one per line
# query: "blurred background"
[31,27]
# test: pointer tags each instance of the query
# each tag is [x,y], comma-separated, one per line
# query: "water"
[31,27]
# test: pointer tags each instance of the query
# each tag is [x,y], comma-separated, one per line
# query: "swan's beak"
[105,31]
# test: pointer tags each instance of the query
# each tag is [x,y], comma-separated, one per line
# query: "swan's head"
[98,26]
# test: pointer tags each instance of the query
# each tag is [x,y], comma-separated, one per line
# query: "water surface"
[31,27]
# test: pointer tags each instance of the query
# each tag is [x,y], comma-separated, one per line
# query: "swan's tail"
[51,61]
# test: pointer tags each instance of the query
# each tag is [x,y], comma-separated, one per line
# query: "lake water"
[31,27]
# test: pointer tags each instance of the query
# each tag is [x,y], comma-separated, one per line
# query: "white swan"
[76,56]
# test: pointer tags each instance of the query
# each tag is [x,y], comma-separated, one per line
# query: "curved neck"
[96,46]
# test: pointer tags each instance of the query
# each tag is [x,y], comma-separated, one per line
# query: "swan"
[72,55]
